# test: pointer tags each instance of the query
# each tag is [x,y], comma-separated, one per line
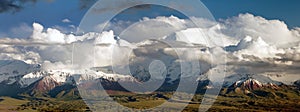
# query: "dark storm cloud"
[13,5]
[83,4]
[255,65]
[290,56]
[145,6]
[109,6]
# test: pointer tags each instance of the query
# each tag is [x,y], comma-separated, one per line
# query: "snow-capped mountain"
[32,73]
[252,84]
[241,78]
[45,84]
[12,70]
[35,81]
[245,83]
[58,77]
[31,78]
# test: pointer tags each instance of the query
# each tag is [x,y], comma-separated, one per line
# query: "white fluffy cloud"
[66,21]
[152,28]
[256,47]
[50,35]
[54,48]
[291,54]
[172,28]
[274,32]
[9,52]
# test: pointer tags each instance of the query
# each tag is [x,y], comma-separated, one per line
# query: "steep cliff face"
[46,84]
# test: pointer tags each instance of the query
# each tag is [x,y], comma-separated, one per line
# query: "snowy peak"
[30,78]
[15,67]
[92,75]
[252,84]
[236,80]
[25,75]
[12,70]
[246,83]
[46,84]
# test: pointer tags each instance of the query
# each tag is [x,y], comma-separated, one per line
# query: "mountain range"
[19,78]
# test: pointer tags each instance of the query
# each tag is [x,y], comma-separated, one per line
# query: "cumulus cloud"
[274,32]
[51,35]
[291,54]
[256,47]
[9,52]
[172,28]
[49,45]
[144,29]
[66,21]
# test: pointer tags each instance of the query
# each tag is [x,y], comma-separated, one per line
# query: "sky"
[51,13]
[40,32]
[287,11]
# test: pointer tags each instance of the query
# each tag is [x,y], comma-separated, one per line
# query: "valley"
[275,101]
